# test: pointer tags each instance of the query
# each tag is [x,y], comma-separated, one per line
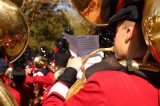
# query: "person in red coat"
[44,82]
[3,67]
[48,79]
[25,90]
[111,84]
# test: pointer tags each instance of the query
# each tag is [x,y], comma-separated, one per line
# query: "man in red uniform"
[3,67]
[42,80]
[109,85]
[49,78]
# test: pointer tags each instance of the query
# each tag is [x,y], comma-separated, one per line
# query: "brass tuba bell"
[98,12]
[40,62]
[151,27]
[14,31]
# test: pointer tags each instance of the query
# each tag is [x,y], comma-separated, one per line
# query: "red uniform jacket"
[109,88]
[13,91]
[46,81]
[26,93]
[15,94]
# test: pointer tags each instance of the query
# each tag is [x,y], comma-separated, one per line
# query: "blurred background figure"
[106,36]
[7,81]
[69,31]
[60,63]
[44,51]
[61,43]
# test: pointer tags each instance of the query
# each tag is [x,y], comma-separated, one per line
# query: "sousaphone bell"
[14,31]
[98,12]
[14,34]
[151,27]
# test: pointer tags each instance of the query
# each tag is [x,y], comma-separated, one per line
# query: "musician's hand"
[75,63]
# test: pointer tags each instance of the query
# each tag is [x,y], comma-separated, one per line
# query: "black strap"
[110,63]
[129,66]
[68,77]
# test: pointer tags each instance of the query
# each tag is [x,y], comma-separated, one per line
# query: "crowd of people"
[108,83]
[30,77]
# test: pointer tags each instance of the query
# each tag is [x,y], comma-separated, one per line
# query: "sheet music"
[82,45]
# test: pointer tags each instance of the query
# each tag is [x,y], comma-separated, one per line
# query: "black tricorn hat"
[128,13]
[132,12]
[61,59]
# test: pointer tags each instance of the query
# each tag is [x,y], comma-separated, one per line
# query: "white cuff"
[38,74]
[79,74]
[94,59]
[59,88]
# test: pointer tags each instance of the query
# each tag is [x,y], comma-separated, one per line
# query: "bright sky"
[65,6]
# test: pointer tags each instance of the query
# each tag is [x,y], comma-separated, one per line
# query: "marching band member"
[3,67]
[48,79]
[111,84]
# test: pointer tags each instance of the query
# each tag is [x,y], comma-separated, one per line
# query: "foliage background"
[48,20]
